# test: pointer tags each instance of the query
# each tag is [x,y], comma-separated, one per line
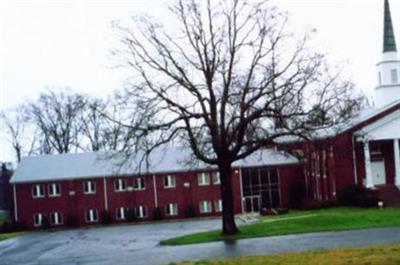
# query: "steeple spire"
[389,42]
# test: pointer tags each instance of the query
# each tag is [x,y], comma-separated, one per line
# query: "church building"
[82,189]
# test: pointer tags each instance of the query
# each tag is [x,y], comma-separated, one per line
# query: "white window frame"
[205,206]
[171,209]
[40,218]
[171,182]
[203,179]
[52,190]
[92,213]
[216,178]
[141,211]
[36,191]
[91,187]
[58,218]
[120,185]
[218,206]
[137,183]
[121,213]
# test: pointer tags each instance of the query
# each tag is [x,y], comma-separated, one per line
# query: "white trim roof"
[383,129]
[96,164]
[363,115]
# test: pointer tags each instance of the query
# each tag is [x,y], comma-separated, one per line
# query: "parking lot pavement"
[95,245]
[138,244]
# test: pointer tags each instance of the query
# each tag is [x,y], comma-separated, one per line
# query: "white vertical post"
[397,161]
[241,189]
[367,162]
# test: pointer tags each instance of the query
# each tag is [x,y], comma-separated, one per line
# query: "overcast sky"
[58,43]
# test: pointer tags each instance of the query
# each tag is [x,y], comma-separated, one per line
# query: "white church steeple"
[388,89]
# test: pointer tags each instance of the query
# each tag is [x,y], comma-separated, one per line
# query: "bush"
[357,195]
[45,223]
[71,220]
[131,216]
[190,211]
[157,214]
[106,218]
[10,226]
[297,194]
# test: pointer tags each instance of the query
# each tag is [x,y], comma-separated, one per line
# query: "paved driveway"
[103,245]
[138,244]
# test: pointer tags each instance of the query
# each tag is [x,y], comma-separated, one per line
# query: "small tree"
[226,80]
[20,133]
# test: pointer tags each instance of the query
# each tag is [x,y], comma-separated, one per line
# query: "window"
[89,187]
[205,207]
[38,191]
[169,181]
[216,178]
[380,78]
[56,218]
[141,211]
[91,216]
[121,213]
[203,179]
[139,183]
[218,206]
[54,190]
[171,209]
[261,187]
[120,185]
[37,219]
[394,76]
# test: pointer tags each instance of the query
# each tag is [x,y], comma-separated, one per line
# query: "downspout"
[105,194]
[354,160]
[155,191]
[15,203]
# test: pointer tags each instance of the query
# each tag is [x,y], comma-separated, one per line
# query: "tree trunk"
[228,217]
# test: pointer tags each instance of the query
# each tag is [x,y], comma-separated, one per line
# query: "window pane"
[394,76]
[275,201]
[264,176]
[273,174]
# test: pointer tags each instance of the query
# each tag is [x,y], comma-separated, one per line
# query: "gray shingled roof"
[97,164]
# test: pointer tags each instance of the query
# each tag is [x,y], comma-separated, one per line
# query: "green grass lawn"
[4,236]
[331,219]
[382,255]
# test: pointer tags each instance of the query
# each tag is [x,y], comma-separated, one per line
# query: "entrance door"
[378,172]
[252,204]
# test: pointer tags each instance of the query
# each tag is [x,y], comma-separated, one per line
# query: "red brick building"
[84,186]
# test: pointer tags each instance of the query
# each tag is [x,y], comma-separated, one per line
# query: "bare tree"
[100,128]
[91,125]
[226,80]
[19,132]
[56,116]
